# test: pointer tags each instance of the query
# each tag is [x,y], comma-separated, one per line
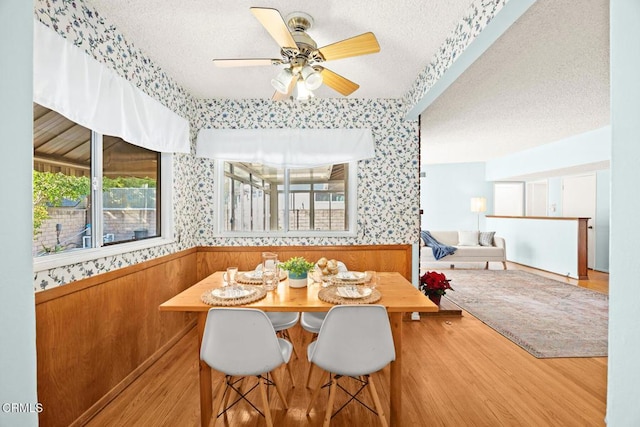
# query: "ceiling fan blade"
[279,96]
[272,21]
[249,62]
[363,44]
[337,82]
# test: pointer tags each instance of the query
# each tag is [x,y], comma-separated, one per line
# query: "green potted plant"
[297,269]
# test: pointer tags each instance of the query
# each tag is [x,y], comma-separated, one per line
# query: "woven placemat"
[244,278]
[330,295]
[257,294]
[336,281]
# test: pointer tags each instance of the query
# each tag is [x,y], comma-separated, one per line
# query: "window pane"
[327,184]
[61,183]
[257,209]
[130,208]
[255,198]
[299,206]
[248,198]
[228,197]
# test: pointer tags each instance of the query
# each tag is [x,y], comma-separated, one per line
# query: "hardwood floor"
[457,372]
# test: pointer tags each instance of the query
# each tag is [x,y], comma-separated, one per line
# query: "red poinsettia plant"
[434,283]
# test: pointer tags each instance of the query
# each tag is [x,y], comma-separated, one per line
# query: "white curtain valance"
[69,81]
[293,148]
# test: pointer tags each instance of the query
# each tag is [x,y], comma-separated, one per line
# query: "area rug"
[545,317]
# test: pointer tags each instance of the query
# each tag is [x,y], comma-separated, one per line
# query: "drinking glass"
[369,276]
[269,279]
[229,278]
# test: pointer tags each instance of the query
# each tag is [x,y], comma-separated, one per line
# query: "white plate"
[256,274]
[228,293]
[350,275]
[353,291]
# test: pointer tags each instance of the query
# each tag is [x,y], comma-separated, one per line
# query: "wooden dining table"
[398,295]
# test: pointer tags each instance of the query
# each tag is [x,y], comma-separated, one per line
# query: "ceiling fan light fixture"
[312,78]
[302,93]
[282,80]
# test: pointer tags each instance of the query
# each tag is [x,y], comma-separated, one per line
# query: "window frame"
[89,254]
[351,194]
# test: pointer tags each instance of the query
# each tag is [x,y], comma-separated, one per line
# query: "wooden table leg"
[206,398]
[395,388]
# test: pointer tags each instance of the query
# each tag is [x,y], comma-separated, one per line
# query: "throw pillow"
[486,238]
[468,238]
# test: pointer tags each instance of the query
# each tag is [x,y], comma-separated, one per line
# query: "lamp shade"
[478,204]
[302,93]
[312,78]
[282,80]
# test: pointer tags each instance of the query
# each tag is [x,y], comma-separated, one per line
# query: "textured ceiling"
[545,79]
[183,38]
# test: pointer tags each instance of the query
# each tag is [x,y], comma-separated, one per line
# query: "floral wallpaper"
[388,185]
[388,194]
[476,19]
[81,24]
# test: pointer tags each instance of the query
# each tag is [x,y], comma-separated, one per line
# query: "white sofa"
[486,254]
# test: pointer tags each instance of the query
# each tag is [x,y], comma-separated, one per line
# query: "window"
[90,190]
[283,201]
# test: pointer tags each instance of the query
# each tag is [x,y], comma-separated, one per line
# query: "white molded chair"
[312,321]
[354,341]
[241,342]
[282,321]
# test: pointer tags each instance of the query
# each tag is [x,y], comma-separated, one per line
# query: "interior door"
[579,200]
[537,198]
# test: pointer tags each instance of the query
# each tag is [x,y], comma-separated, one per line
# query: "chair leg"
[219,397]
[309,373]
[288,368]
[332,397]
[279,390]
[504,265]
[315,394]
[376,401]
[265,401]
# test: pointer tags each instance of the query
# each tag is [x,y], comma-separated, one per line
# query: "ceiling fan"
[301,56]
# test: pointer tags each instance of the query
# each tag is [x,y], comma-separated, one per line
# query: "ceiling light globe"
[302,93]
[282,81]
[312,78]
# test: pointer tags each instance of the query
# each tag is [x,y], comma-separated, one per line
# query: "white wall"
[17,305]
[446,192]
[603,218]
[587,148]
[587,152]
[603,201]
[624,294]
[554,192]
[547,244]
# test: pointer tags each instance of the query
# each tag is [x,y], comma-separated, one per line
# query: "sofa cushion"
[486,238]
[468,238]
[479,251]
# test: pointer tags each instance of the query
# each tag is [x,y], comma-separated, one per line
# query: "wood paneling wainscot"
[355,257]
[95,336]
